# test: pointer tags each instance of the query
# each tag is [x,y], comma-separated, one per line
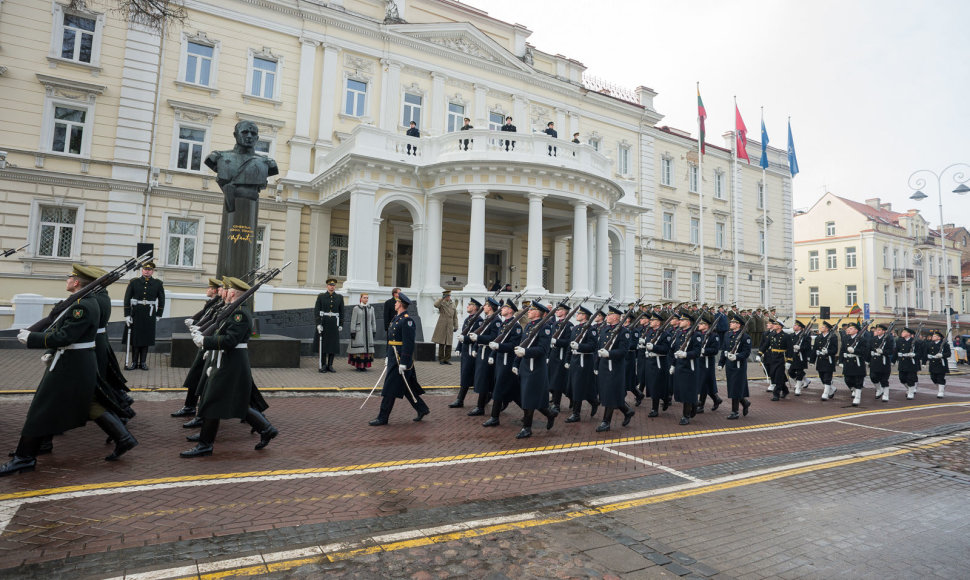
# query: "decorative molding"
[70,89]
[192,112]
[272,125]
[358,63]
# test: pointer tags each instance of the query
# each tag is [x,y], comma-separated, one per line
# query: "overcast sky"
[875,89]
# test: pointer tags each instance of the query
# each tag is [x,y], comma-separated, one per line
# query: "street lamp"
[960,177]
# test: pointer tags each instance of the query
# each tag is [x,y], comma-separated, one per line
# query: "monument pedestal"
[266,351]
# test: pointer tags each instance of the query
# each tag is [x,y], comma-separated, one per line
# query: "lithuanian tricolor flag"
[701,115]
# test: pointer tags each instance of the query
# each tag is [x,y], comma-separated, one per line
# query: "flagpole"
[764,222]
[737,217]
[791,216]
[700,195]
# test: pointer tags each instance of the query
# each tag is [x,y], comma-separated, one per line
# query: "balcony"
[902,274]
[900,311]
[951,280]
[925,241]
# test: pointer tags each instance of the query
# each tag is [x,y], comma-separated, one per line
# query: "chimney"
[886,206]
[873,202]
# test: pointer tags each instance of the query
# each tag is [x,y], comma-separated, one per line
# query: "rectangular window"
[719,230]
[355,98]
[182,241]
[337,263]
[761,242]
[885,256]
[850,257]
[931,267]
[718,185]
[695,230]
[813,260]
[264,147]
[198,63]
[692,178]
[456,116]
[667,171]
[885,295]
[668,284]
[831,261]
[545,271]
[56,231]
[264,78]
[895,258]
[495,121]
[190,144]
[829,228]
[695,286]
[813,296]
[262,247]
[77,42]
[851,295]
[623,160]
[594,143]
[412,109]
[761,196]
[668,225]
[69,125]
[720,285]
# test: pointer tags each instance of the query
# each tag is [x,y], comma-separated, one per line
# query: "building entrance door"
[493,270]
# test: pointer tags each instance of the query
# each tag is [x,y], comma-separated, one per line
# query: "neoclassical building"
[106,126]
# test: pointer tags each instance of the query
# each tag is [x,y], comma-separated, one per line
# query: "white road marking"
[670,470]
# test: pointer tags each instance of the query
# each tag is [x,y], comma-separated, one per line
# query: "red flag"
[741,132]
[701,115]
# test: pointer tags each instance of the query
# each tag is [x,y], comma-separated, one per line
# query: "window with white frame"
[456,116]
[265,147]
[931,261]
[813,296]
[850,257]
[719,234]
[262,246]
[851,294]
[885,295]
[76,35]
[199,63]
[412,109]
[669,276]
[594,142]
[623,159]
[812,260]
[191,141]
[695,286]
[668,225]
[885,256]
[720,287]
[932,300]
[831,260]
[895,258]
[355,98]
[761,196]
[181,244]
[718,184]
[70,125]
[337,261]
[692,178]
[829,229]
[667,171]
[495,120]
[263,75]
[761,242]
[56,227]
[695,229]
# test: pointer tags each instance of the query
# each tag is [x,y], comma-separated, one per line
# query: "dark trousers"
[854,382]
[444,352]
[797,373]
[825,377]
[938,378]
[387,404]
[879,378]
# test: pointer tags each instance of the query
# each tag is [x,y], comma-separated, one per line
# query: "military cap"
[446,293]
[675,316]
[509,304]
[585,311]
[736,318]
[827,325]
[855,324]
[656,316]
[707,318]
[332,281]
[225,281]
[215,283]
[799,323]
[86,273]
[563,305]
[882,326]
[909,330]
[150,264]
[403,298]
[688,315]
[615,310]
[236,283]
[539,306]
[472,301]
[936,332]
[492,302]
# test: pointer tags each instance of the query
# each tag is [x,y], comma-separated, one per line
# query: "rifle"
[508,330]
[835,330]
[12,251]
[589,321]
[619,325]
[805,333]
[231,307]
[572,312]
[710,329]
[528,340]
[886,336]
[111,277]
[493,315]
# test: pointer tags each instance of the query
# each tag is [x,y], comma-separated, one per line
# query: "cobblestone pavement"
[371,501]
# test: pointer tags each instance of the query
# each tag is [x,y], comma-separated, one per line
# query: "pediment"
[463,38]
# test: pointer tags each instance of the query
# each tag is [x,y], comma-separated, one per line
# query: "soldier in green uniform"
[228,391]
[144,305]
[65,397]
[329,311]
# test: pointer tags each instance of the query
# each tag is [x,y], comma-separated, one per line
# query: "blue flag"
[792,160]
[764,146]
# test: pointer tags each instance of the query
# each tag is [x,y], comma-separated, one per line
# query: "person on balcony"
[466,127]
[576,138]
[413,132]
[508,127]
[551,131]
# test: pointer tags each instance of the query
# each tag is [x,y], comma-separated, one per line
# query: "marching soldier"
[144,305]
[195,371]
[108,366]
[881,363]
[776,351]
[467,351]
[909,362]
[734,359]
[855,353]
[630,379]
[827,346]
[938,356]
[444,329]
[656,345]
[478,340]
[530,364]
[707,363]
[560,355]
[643,327]
[401,381]
[613,344]
[686,347]
[801,356]
[66,395]
[228,391]
[582,380]
[506,385]
[330,321]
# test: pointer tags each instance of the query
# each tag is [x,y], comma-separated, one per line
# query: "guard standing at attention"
[400,380]
[144,306]
[444,329]
[330,321]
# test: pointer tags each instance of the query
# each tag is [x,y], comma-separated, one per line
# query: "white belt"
[75,346]
[331,314]
[152,304]
[219,355]
[102,330]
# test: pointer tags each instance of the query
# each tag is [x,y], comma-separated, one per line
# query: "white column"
[390,94]
[476,243]
[559,265]
[319,253]
[480,106]
[520,114]
[602,254]
[533,266]
[361,251]
[629,254]
[328,96]
[561,128]
[591,253]
[580,267]
[291,248]
[432,249]
[300,144]
[438,105]
[573,125]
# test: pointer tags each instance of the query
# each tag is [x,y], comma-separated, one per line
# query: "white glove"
[189,322]
[456,352]
[574,345]
[157,318]
[680,354]
[642,341]
[519,351]
[787,365]
[938,356]
[515,370]
[671,369]
[22,335]
[821,352]
[732,357]
[46,357]
[339,328]
[757,358]
[850,349]
[909,355]
[385,360]
[648,346]
[473,336]
[461,338]
[603,353]
[197,339]
[128,320]
[879,351]
[493,345]
[400,370]
[193,328]
[320,328]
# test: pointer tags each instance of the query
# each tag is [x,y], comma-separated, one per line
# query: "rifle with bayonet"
[589,321]
[231,307]
[12,251]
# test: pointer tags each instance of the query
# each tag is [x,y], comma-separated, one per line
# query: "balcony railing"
[904,312]
[903,274]
[926,241]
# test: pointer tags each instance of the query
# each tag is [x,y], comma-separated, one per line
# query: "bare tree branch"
[152,14]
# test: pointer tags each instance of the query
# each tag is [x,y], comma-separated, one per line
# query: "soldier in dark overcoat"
[192,378]
[559,355]
[656,377]
[582,367]
[707,363]
[478,339]
[776,352]
[613,345]
[938,357]
[144,305]
[329,312]
[801,356]
[466,351]
[506,388]
[854,354]
[531,355]
[686,348]
[909,364]
[734,359]
[400,380]
[881,360]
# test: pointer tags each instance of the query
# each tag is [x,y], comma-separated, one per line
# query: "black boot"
[24,458]
[206,438]
[744,406]
[734,409]
[593,408]
[479,409]
[550,414]
[185,411]
[685,419]
[574,416]
[262,426]
[607,420]
[666,404]
[717,402]
[330,364]
[460,401]
[699,408]
[654,408]
[775,394]
[638,395]
[116,430]
[526,424]
[143,355]
[492,422]
[194,423]
[628,414]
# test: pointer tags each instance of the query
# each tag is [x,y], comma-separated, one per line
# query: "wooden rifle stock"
[231,307]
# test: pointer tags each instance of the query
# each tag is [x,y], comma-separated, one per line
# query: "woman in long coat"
[363,326]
